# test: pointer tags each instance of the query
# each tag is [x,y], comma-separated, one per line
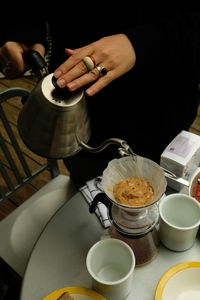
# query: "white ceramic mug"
[179,221]
[111,263]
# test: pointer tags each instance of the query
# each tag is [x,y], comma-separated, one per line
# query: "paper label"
[181,146]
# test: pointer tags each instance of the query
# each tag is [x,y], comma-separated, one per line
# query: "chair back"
[15,170]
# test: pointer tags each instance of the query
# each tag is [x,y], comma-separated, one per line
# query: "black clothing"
[149,105]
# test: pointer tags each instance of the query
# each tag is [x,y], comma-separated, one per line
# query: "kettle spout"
[122,143]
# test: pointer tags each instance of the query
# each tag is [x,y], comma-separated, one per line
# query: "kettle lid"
[62,98]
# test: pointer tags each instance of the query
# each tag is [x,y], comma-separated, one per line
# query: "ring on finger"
[102,70]
[90,63]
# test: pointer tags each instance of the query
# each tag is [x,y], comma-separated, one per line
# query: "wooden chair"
[21,228]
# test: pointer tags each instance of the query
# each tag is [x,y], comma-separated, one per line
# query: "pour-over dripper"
[134,220]
[125,167]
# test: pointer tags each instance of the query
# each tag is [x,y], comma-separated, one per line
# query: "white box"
[182,155]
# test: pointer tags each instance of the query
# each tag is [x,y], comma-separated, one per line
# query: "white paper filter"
[126,167]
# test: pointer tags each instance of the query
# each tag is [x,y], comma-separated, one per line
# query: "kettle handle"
[34,60]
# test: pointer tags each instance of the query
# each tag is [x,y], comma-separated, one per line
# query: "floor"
[12,109]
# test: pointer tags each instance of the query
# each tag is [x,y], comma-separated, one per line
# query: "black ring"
[102,70]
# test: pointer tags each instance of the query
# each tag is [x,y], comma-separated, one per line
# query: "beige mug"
[179,221]
[111,263]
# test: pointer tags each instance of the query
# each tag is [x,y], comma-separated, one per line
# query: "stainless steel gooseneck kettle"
[54,122]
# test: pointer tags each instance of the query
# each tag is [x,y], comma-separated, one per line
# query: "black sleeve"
[168,44]
[24,27]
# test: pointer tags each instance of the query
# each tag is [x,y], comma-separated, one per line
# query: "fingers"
[75,72]
[87,78]
[79,76]
[113,53]
[99,84]
[11,59]
[12,63]
[76,56]
[69,52]
[17,59]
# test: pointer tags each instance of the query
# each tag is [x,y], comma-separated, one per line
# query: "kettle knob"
[54,81]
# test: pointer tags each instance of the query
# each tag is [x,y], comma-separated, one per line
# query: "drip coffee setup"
[136,225]
[54,123]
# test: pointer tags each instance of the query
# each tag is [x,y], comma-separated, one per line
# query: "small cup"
[111,263]
[179,221]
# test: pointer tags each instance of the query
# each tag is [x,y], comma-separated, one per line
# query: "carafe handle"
[100,197]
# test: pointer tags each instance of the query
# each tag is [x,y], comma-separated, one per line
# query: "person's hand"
[115,53]
[11,60]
